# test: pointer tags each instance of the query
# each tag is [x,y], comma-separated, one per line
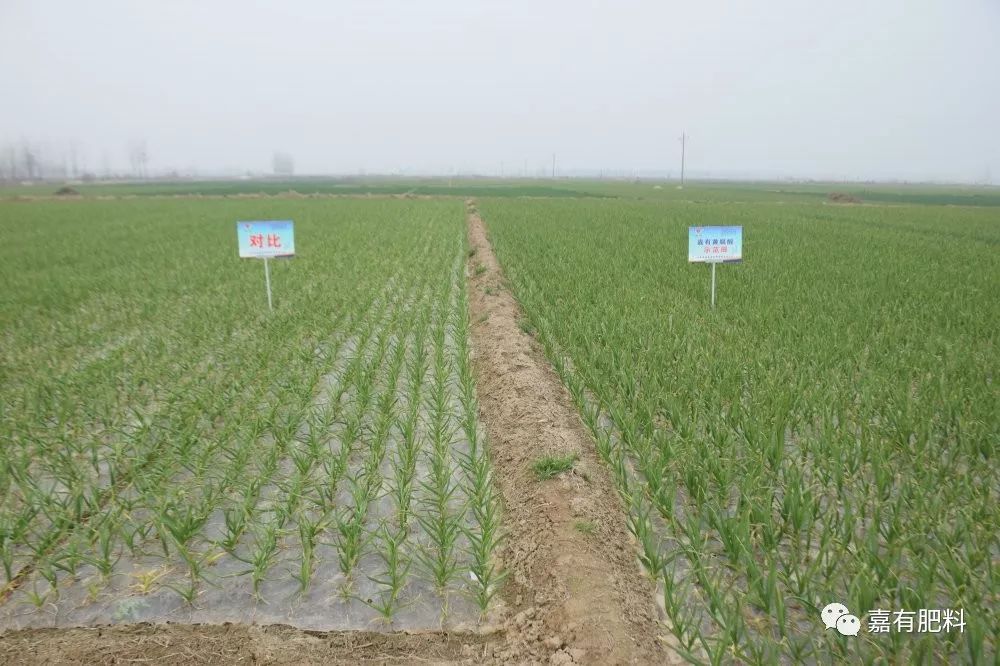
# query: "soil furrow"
[575,591]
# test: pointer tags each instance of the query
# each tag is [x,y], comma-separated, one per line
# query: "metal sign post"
[266,240]
[713,284]
[715,245]
[267,281]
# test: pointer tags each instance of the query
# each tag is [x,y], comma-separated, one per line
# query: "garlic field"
[827,434]
[175,452]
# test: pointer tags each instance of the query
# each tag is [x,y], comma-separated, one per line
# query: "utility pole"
[683,146]
[553,165]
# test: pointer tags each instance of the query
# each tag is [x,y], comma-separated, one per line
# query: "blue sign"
[269,238]
[715,244]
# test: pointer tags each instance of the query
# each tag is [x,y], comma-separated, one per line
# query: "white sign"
[264,239]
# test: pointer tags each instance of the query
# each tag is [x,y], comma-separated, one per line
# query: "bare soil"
[232,644]
[842,198]
[577,596]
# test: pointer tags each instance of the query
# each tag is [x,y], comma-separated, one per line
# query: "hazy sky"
[813,88]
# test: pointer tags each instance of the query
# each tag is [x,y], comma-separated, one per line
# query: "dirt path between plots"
[575,586]
[231,644]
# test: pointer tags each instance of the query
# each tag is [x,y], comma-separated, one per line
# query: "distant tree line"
[27,160]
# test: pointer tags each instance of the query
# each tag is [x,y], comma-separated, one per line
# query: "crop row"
[196,458]
[828,434]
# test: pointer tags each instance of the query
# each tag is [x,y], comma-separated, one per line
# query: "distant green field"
[437,187]
[750,192]
[697,191]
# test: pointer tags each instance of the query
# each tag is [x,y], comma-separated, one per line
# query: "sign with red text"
[265,239]
[722,245]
